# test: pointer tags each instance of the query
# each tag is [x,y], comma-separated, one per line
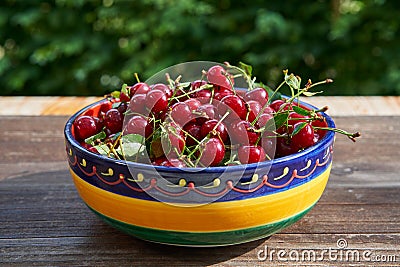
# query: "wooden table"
[43,221]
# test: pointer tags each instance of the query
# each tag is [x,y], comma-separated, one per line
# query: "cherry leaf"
[99,136]
[298,128]
[247,68]
[301,111]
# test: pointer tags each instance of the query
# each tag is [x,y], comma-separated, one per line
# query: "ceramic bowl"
[208,207]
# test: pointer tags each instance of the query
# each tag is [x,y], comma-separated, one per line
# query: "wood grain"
[44,222]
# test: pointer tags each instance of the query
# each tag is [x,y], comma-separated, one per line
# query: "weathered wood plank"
[44,222]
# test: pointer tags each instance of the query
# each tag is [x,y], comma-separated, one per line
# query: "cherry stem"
[351,136]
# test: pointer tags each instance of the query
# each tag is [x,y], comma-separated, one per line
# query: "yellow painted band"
[217,216]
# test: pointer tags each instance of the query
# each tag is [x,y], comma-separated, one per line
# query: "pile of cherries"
[202,123]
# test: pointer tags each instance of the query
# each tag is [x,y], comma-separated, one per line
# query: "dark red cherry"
[217,75]
[263,119]
[173,142]
[235,105]
[162,87]
[84,127]
[139,88]
[284,147]
[206,112]
[181,113]
[193,131]
[221,92]
[258,94]
[156,101]
[319,122]
[254,108]
[113,120]
[276,104]
[139,125]
[304,138]
[197,84]
[173,162]
[212,152]
[242,132]
[138,104]
[193,103]
[251,154]
[124,97]
[204,96]
[214,128]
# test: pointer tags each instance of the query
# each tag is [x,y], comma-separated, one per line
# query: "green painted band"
[202,238]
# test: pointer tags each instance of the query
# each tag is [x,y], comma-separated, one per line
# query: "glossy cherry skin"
[254,108]
[284,147]
[251,154]
[193,103]
[162,87]
[212,152]
[113,120]
[204,96]
[181,113]
[217,75]
[219,131]
[207,112]
[235,105]
[138,104]
[304,138]
[276,104]
[84,127]
[139,88]
[139,125]
[263,119]
[156,101]
[258,94]
[242,132]
[193,130]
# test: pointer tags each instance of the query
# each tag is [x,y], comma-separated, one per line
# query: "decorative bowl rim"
[242,167]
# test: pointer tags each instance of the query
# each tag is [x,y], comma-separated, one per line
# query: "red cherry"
[254,109]
[139,88]
[139,125]
[242,132]
[284,147]
[193,103]
[207,112]
[174,142]
[172,162]
[220,131]
[162,87]
[236,106]
[124,97]
[204,96]
[304,138]
[138,104]
[84,127]
[221,92]
[258,94]
[113,120]
[156,101]
[263,119]
[294,118]
[89,147]
[193,130]
[181,113]
[217,75]
[212,152]
[320,122]
[268,143]
[276,105]
[251,154]
[197,84]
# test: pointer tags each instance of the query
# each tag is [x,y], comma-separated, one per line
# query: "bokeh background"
[91,47]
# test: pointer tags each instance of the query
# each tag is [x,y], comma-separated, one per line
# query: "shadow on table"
[134,251]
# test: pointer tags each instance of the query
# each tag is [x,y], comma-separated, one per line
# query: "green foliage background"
[91,47]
